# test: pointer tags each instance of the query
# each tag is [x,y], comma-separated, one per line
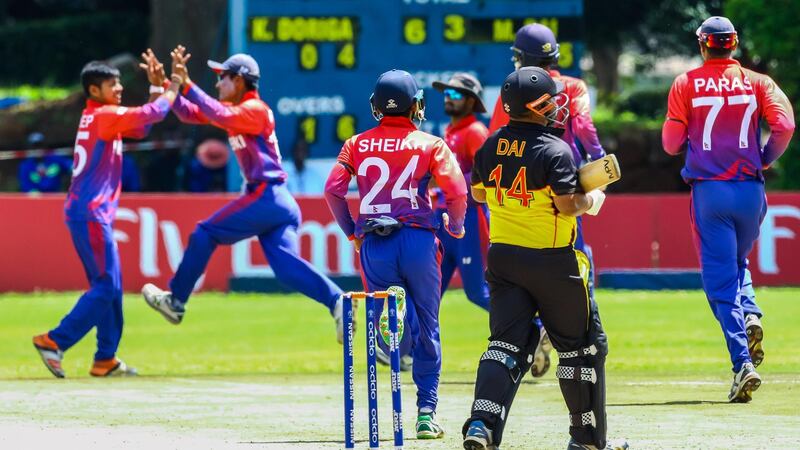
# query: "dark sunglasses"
[453,94]
[223,75]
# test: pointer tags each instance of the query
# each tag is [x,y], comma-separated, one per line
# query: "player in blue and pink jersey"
[714,114]
[90,210]
[395,230]
[535,45]
[465,135]
[266,209]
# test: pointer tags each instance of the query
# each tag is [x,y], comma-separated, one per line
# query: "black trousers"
[524,281]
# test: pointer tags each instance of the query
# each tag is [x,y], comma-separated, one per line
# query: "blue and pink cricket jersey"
[714,114]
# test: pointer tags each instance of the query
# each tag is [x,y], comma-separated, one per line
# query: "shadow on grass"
[674,403]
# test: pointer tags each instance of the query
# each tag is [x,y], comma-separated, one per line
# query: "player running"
[90,210]
[395,230]
[535,45]
[714,113]
[465,135]
[266,209]
[527,175]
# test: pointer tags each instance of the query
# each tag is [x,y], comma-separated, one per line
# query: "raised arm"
[249,117]
[134,121]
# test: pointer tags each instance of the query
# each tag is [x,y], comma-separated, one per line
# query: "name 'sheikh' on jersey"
[721,85]
[389,145]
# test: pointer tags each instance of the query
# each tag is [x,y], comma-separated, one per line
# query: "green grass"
[239,363]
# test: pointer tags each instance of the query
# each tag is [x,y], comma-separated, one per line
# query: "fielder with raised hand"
[91,208]
[535,45]
[266,209]
[527,175]
[395,229]
[714,114]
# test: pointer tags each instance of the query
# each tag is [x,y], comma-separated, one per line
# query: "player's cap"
[239,64]
[395,91]
[525,86]
[717,32]
[464,83]
[536,40]
[716,24]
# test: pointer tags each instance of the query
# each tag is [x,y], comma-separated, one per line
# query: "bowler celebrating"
[90,209]
[266,209]
[395,231]
[714,114]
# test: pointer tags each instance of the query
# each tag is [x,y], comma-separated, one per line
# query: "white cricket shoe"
[163,302]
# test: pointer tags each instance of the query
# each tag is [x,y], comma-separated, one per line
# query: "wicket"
[372,369]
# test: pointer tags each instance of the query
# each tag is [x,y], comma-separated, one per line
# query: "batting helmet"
[535,45]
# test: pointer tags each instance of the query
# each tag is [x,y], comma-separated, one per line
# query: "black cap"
[395,91]
[466,84]
[526,85]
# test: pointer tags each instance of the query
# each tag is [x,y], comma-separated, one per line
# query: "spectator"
[43,174]
[207,169]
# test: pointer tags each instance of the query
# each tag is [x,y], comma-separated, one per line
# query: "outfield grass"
[265,371]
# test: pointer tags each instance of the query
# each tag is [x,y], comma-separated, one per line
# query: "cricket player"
[535,45]
[527,175]
[714,114]
[266,209]
[395,230]
[90,210]
[464,135]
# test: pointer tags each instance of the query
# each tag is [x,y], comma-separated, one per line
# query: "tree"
[200,25]
[769,34]
[653,27]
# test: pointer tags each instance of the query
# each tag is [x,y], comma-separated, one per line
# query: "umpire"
[527,176]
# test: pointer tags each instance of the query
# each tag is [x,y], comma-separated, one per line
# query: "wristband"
[156,89]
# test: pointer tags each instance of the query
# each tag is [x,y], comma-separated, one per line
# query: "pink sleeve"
[188,112]
[673,136]
[249,117]
[499,117]
[677,103]
[581,121]
[131,121]
[675,131]
[336,190]
[448,176]
[777,111]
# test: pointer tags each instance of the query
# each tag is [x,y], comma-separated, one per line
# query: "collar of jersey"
[535,127]
[721,62]
[399,122]
[249,95]
[93,104]
[464,122]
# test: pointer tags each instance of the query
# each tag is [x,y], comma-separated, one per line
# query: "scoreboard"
[319,59]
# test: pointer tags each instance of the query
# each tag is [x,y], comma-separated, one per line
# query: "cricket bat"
[599,173]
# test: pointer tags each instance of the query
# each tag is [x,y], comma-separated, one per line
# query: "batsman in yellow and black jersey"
[527,176]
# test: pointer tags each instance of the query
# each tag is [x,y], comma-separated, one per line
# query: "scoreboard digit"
[320,59]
